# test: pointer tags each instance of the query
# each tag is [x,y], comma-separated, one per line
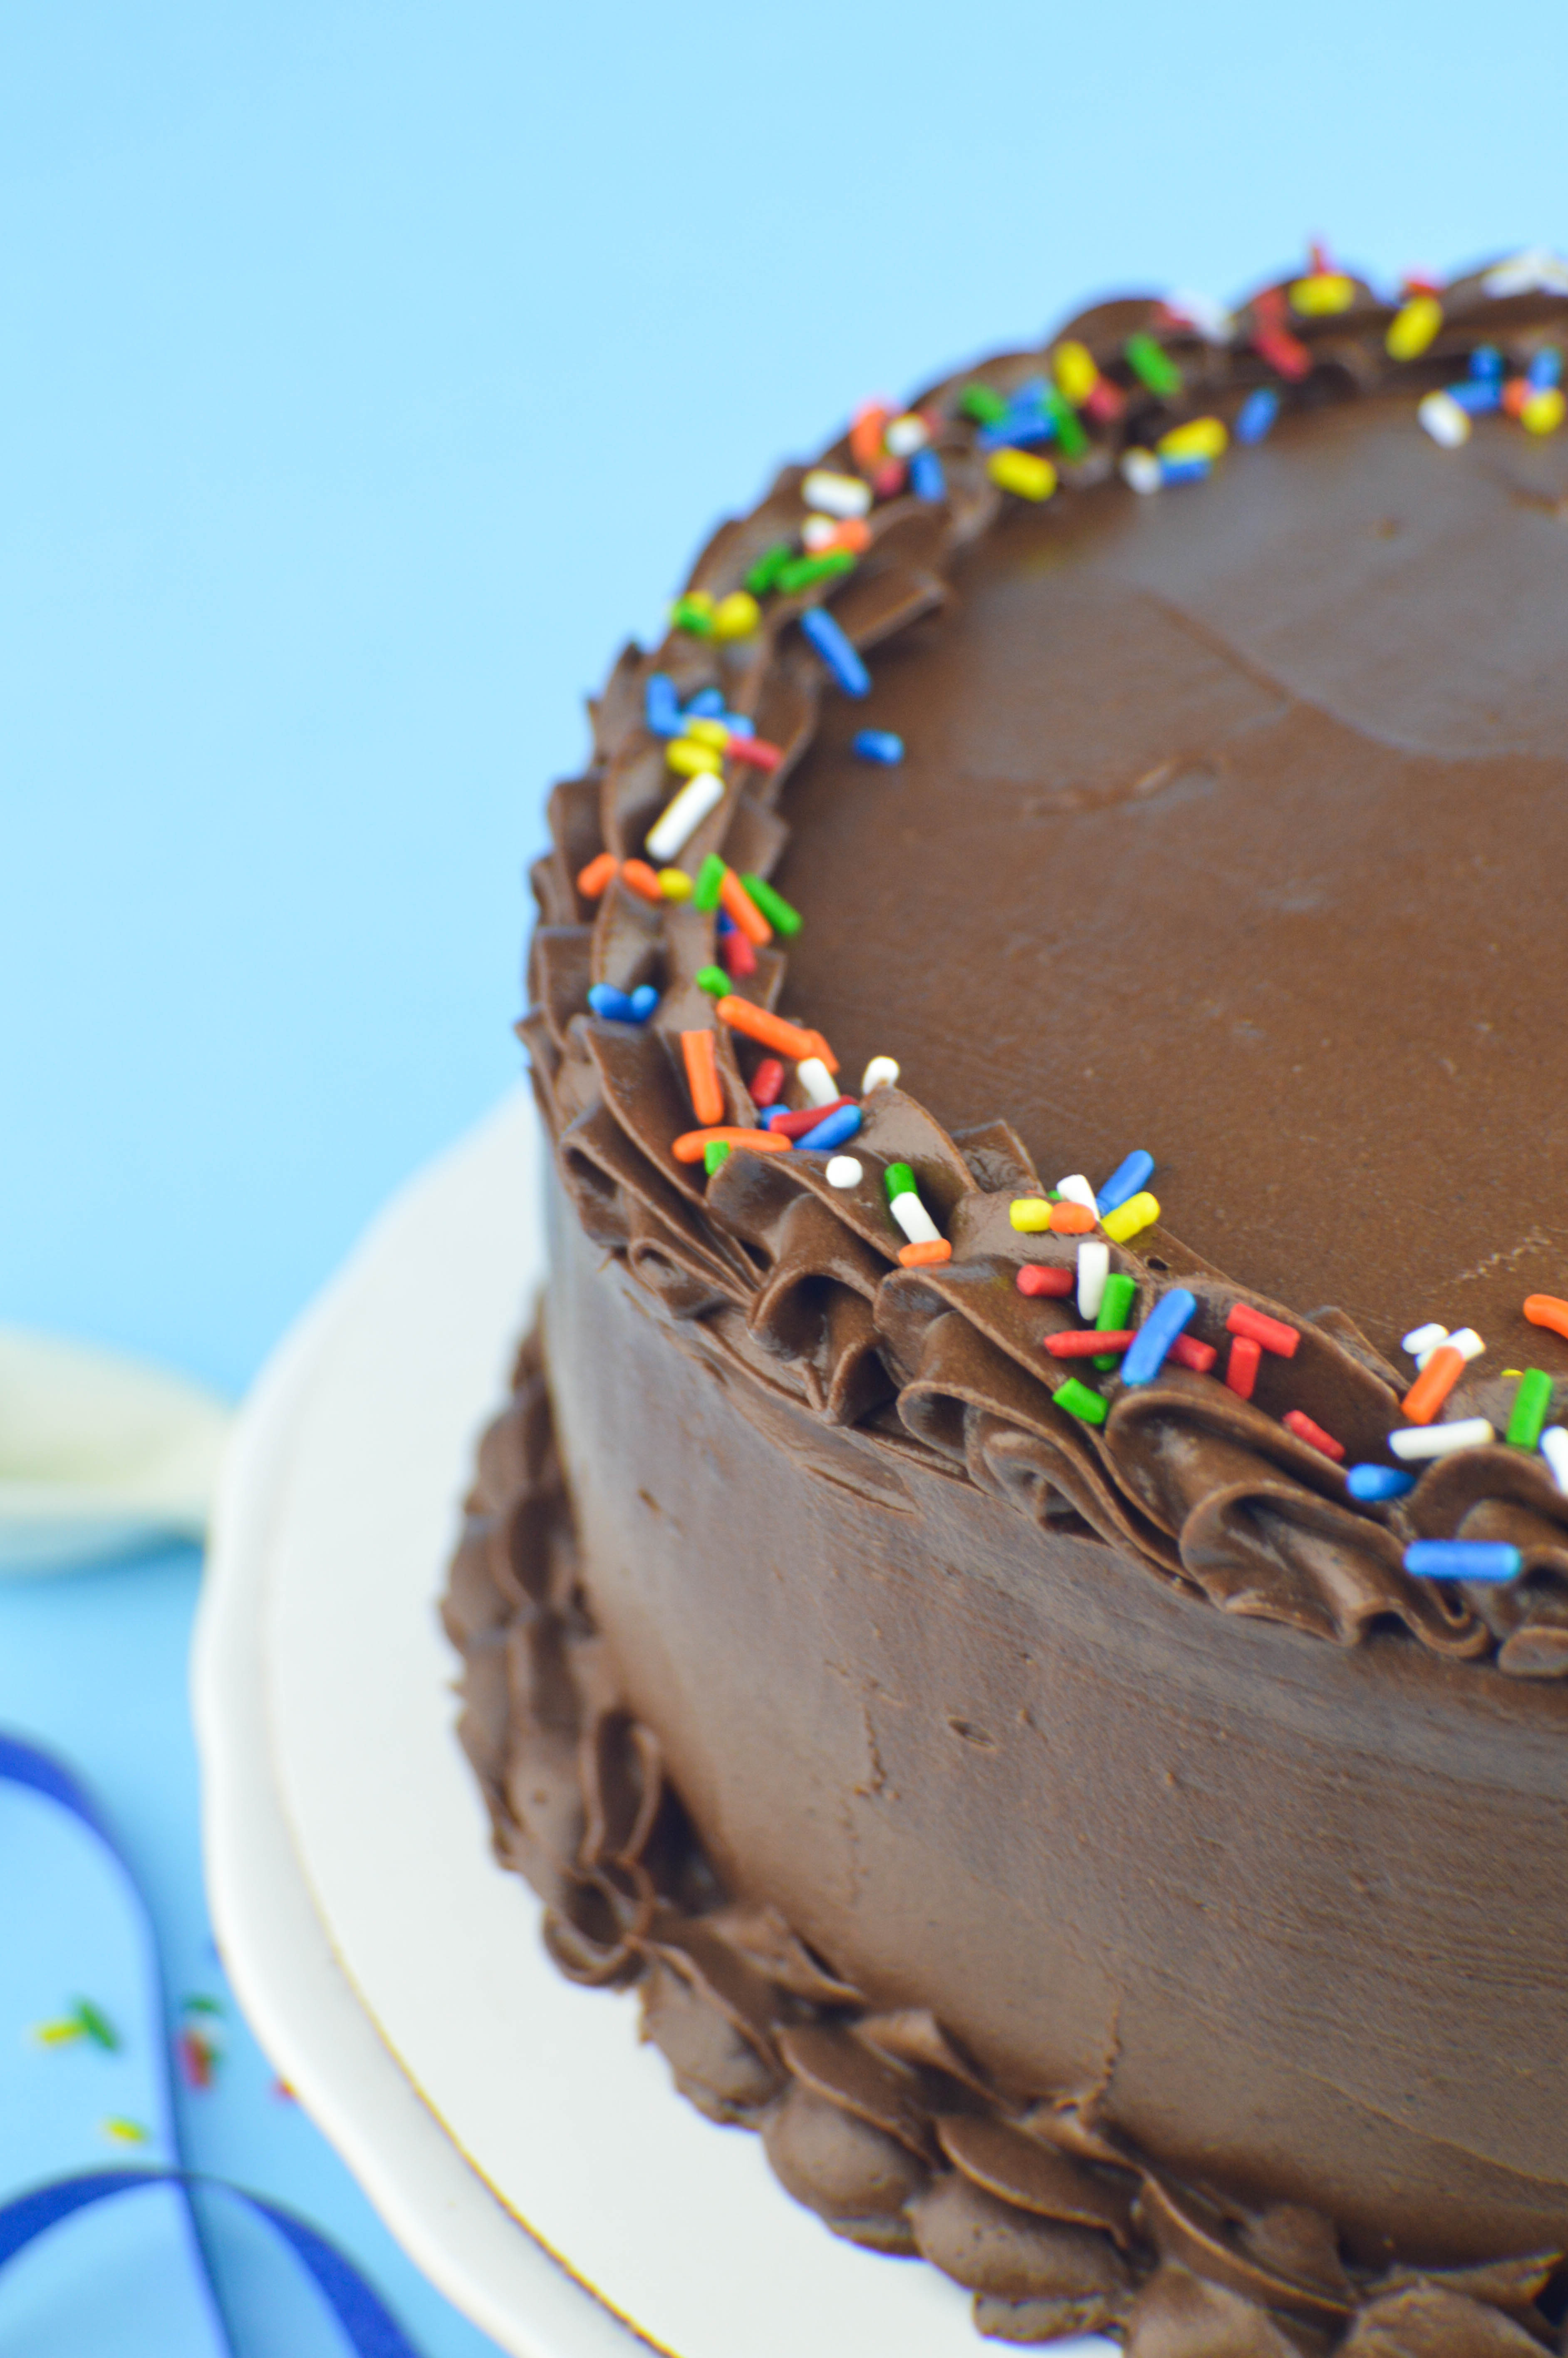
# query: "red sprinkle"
[755,749]
[1040,1278]
[887,480]
[1190,1353]
[1271,340]
[767,1081]
[1084,1342]
[795,1125]
[1272,1333]
[1297,1422]
[1104,405]
[739,958]
[1241,1367]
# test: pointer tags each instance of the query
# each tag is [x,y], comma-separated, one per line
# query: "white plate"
[393,1971]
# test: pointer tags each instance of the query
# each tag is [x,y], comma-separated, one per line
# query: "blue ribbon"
[368,2326]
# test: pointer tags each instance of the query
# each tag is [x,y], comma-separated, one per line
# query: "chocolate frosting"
[1233,818]
[1227,827]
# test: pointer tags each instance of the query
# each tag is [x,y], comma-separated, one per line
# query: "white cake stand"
[529,2155]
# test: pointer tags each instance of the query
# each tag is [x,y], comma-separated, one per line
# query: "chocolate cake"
[1028,1608]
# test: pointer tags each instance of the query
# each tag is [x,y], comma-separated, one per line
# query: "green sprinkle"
[774,906]
[1117,1299]
[983,404]
[715,1155]
[98,2028]
[694,614]
[899,1180]
[713,978]
[1078,1400]
[1153,365]
[802,571]
[763,576]
[1071,439]
[709,878]
[1532,1406]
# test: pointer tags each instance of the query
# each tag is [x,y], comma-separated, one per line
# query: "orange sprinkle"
[735,897]
[758,1023]
[702,1075]
[643,881]
[866,436]
[853,533]
[819,1048]
[689,1147]
[1435,1383]
[596,877]
[1548,1310]
[1071,1219]
[926,1255]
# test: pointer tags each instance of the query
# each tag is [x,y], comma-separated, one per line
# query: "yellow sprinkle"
[1516,1374]
[1412,327]
[1138,1212]
[1021,472]
[1325,292]
[1542,413]
[676,884]
[1076,372]
[124,2132]
[1030,1215]
[59,2034]
[737,616]
[1201,437]
[702,731]
[689,758]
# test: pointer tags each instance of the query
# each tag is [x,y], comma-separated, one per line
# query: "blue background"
[368,373]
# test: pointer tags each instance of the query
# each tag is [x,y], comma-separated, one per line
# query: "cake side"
[995,1907]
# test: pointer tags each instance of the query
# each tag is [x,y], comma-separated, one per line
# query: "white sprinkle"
[1214,324]
[843,1171]
[1467,1341]
[881,1073]
[679,820]
[1444,419]
[1142,470]
[914,1220]
[1538,272]
[817,532]
[1554,1449]
[1094,1268]
[906,435]
[1422,1341]
[836,495]
[818,1083]
[1075,1189]
[1441,1440]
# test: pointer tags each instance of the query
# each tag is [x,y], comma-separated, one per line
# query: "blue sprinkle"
[1257,414]
[739,724]
[1487,365]
[926,479]
[1024,424]
[1490,1560]
[1146,1353]
[645,998]
[1373,1482]
[880,745]
[1545,370]
[661,706]
[1478,396]
[837,653]
[1185,471]
[835,1130]
[769,1115]
[708,704]
[1125,1182]
[614,1005]
[726,921]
